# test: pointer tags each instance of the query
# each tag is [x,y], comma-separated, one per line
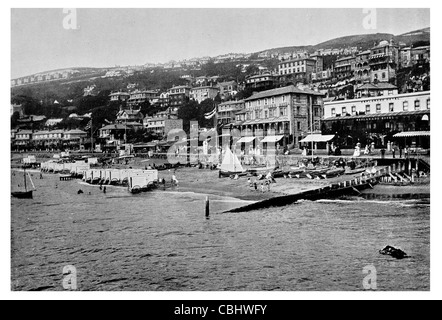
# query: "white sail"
[231,162]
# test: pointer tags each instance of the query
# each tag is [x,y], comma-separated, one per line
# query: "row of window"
[265,114]
[292,64]
[289,71]
[405,107]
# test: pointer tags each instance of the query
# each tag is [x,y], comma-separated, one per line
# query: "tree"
[189,112]
[14,119]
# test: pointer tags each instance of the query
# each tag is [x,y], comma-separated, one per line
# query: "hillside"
[361,41]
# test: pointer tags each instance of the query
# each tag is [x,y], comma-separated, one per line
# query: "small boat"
[355,171]
[334,172]
[231,166]
[26,194]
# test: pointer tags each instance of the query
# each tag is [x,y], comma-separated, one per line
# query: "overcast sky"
[109,37]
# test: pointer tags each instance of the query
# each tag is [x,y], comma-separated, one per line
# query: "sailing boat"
[26,194]
[231,165]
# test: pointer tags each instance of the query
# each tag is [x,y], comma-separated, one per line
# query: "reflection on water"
[161,241]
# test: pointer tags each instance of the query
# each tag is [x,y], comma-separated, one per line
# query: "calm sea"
[161,241]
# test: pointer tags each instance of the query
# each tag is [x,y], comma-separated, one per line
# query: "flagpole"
[92,137]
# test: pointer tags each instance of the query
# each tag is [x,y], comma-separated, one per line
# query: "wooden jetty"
[352,186]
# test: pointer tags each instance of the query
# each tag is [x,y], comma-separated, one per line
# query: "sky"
[41,41]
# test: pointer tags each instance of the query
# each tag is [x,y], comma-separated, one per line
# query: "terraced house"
[284,115]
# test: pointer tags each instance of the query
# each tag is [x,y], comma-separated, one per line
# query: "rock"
[394,252]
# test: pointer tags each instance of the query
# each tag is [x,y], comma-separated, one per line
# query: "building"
[344,67]
[322,76]
[298,69]
[74,138]
[119,96]
[420,55]
[178,96]
[362,67]
[260,82]
[227,89]
[287,114]
[88,91]
[48,139]
[114,135]
[378,119]
[227,111]
[383,61]
[375,90]
[202,93]
[125,116]
[140,96]
[23,139]
[161,125]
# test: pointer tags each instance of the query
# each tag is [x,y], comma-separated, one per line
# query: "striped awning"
[246,140]
[272,139]
[318,138]
[407,134]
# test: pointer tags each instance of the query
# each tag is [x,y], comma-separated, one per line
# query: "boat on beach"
[24,194]
[231,166]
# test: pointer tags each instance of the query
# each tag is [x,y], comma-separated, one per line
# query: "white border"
[5,271]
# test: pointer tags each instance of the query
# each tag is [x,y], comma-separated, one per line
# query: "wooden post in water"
[207,207]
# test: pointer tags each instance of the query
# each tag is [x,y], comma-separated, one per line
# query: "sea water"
[161,241]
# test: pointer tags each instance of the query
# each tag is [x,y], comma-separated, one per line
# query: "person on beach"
[104,190]
[256,185]
[262,187]
[174,179]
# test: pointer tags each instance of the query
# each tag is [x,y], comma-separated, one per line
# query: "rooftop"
[378,86]
[380,115]
[281,91]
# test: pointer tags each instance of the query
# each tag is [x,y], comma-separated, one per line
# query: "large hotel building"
[284,115]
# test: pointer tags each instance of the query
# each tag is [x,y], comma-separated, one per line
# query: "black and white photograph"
[220,150]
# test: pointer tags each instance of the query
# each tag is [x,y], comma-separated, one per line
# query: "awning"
[318,138]
[246,140]
[272,139]
[407,134]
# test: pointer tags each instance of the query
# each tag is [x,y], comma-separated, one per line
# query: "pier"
[348,187]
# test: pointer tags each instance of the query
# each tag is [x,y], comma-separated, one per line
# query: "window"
[271,113]
[299,126]
[378,108]
[266,115]
[405,105]
[259,102]
[273,100]
[384,75]
[344,111]
[333,111]
[428,103]
[367,109]
[298,110]
[283,98]
[283,111]
[387,125]
[316,112]
[391,107]
[417,105]
[266,101]
[353,110]
[390,92]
